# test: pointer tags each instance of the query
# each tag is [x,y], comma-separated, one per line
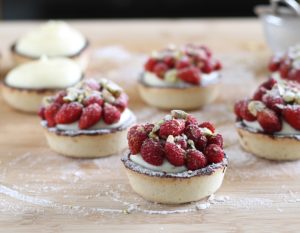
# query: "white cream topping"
[286,128]
[55,38]
[100,125]
[45,73]
[165,167]
[152,80]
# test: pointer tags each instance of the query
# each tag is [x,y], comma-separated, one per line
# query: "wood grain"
[40,190]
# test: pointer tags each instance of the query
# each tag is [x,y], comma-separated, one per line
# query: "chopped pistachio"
[171,76]
[297,98]
[206,131]
[108,97]
[289,96]
[171,139]
[179,114]
[191,143]
[255,106]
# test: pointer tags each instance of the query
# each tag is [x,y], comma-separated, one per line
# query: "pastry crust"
[186,98]
[267,146]
[81,57]
[175,188]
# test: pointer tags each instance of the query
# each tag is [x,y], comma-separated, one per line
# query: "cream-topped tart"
[87,120]
[52,39]
[183,78]
[269,123]
[286,65]
[175,160]
[25,86]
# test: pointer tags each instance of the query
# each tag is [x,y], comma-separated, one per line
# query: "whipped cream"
[152,80]
[100,125]
[165,167]
[45,73]
[55,38]
[286,128]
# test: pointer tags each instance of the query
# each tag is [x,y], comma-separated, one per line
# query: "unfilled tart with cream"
[184,78]
[268,124]
[26,85]
[88,120]
[176,160]
[52,39]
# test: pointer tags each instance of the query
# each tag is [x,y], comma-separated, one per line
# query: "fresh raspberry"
[272,102]
[93,84]
[269,83]
[195,160]
[208,66]
[93,99]
[152,152]
[284,69]
[294,75]
[216,139]
[190,75]
[292,115]
[68,113]
[174,154]
[169,61]
[111,114]
[41,112]
[181,142]
[173,127]
[206,50]
[193,132]
[258,94]
[274,65]
[183,63]
[208,125]
[121,102]
[136,136]
[148,127]
[149,65]
[218,65]
[59,97]
[90,116]
[201,142]
[242,111]
[160,69]
[214,153]
[50,112]
[191,120]
[238,107]
[269,121]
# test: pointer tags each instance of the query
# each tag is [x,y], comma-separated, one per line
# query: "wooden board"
[41,190]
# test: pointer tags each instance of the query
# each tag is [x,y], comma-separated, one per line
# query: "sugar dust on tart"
[176,160]
[88,120]
[268,124]
[52,39]
[184,78]
[26,85]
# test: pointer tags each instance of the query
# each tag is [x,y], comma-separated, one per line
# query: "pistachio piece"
[289,96]
[171,139]
[191,143]
[297,98]
[108,97]
[171,76]
[179,114]
[255,106]
[206,131]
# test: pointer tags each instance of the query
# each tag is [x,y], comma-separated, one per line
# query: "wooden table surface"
[41,190]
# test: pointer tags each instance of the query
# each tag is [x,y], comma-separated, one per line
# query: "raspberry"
[214,153]
[160,69]
[41,113]
[272,102]
[173,127]
[59,97]
[274,65]
[148,127]
[111,114]
[90,116]
[193,132]
[208,125]
[149,65]
[242,111]
[174,154]
[294,75]
[259,93]
[92,83]
[94,99]
[169,61]
[136,136]
[183,63]
[206,50]
[121,102]
[195,160]
[269,83]
[284,69]
[50,112]
[269,121]
[218,65]
[201,142]
[216,139]
[190,75]
[208,67]
[68,113]
[191,120]
[181,142]
[292,115]
[152,152]
[237,108]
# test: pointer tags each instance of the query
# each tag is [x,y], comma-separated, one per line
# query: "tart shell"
[169,188]
[267,146]
[81,57]
[186,98]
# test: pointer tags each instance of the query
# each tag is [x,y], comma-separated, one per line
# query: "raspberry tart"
[286,65]
[52,39]
[25,86]
[184,78]
[88,120]
[268,124]
[175,160]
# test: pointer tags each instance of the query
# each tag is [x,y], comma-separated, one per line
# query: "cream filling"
[55,38]
[286,128]
[165,167]
[100,125]
[152,80]
[45,73]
